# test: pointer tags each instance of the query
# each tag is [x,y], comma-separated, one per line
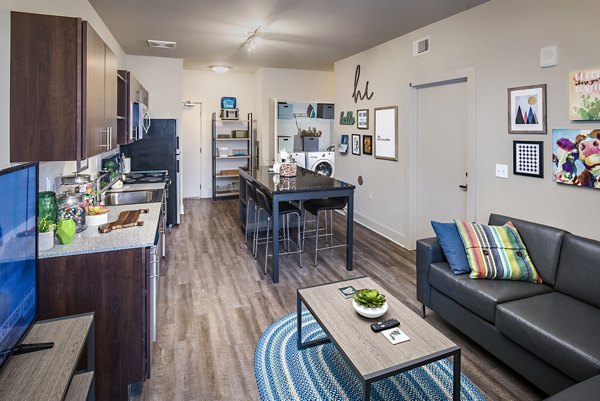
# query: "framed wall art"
[528,158]
[386,133]
[575,156]
[527,110]
[362,119]
[584,95]
[367,144]
[355,144]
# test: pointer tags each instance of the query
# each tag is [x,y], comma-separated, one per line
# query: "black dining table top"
[305,181]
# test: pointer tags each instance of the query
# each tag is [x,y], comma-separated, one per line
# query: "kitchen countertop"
[90,240]
[138,187]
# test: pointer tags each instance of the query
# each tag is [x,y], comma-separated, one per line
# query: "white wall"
[501,40]
[208,88]
[69,8]
[286,85]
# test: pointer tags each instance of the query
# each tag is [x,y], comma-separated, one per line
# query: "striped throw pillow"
[496,252]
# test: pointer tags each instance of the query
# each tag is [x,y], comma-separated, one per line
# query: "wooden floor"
[214,303]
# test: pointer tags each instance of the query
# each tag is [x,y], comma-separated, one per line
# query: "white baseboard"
[383,230]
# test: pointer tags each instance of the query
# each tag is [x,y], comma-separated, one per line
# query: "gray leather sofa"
[550,332]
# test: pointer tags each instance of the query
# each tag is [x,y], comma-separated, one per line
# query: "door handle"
[464,187]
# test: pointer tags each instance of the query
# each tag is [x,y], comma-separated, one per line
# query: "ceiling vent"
[162,44]
[421,46]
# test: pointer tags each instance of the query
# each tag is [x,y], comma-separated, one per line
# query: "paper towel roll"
[127,164]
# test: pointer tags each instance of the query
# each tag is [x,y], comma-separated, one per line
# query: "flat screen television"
[18,255]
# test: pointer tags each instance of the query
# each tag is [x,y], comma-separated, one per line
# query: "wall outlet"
[370,194]
[502,170]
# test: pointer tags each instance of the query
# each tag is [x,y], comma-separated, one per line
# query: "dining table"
[305,185]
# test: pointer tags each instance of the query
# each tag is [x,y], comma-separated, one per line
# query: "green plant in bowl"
[369,298]
[45,225]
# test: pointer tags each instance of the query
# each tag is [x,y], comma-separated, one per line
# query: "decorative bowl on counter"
[96,216]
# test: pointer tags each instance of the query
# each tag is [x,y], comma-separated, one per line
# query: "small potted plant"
[96,216]
[369,303]
[46,228]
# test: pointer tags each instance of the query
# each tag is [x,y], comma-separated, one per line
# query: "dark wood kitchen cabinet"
[115,286]
[50,99]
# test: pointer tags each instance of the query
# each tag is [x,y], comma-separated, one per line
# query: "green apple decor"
[66,231]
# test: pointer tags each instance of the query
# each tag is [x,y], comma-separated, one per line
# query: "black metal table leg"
[456,374]
[367,390]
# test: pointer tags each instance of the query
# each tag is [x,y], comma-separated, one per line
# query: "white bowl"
[370,313]
[96,219]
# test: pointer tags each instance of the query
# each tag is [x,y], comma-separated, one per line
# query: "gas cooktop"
[145,177]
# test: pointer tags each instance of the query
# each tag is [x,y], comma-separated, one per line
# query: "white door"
[442,154]
[191,150]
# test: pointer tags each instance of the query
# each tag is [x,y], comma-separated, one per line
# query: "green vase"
[47,205]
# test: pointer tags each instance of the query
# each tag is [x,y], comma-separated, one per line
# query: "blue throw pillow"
[453,247]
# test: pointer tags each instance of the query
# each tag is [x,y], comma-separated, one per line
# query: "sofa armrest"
[428,252]
[587,390]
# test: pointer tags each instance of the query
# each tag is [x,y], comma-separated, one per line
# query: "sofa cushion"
[496,252]
[542,242]
[579,269]
[557,328]
[588,390]
[480,296]
[452,246]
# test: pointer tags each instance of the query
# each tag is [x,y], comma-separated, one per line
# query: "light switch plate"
[502,170]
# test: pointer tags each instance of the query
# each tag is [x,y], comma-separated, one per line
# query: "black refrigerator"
[158,149]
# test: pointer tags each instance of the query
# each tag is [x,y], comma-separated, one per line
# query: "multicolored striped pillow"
[496,252]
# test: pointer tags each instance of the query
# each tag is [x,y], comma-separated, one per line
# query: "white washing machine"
[299,157]
[321,162]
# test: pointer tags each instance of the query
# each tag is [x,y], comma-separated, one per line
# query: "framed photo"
[355,144]
[528,158]
[386,133]
[367,142]
[569,165]
[362,119]
[527,110]
[584,95]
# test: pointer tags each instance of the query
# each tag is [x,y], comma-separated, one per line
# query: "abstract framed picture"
[362,119]
[576,157]
[367,144]
[584,95]
[355,144]
[528,158]
[527,110]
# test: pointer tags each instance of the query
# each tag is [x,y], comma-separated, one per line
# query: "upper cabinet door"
[45,88]
[96,136]
[110,95]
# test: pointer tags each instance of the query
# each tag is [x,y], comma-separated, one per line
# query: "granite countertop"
[91,241]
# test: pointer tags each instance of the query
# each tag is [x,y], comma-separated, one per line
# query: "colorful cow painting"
[576,157]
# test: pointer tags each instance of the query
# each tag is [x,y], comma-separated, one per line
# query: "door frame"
[466,75]
[192,105]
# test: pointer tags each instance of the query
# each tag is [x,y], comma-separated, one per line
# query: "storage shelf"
[224,194]
[232,139]
[227,176]
[231,157]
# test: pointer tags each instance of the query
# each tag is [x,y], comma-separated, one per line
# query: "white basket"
[223,152]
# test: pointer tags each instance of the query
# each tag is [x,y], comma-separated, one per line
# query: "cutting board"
[128,218]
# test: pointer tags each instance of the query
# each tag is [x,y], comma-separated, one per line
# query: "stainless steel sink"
[131,197]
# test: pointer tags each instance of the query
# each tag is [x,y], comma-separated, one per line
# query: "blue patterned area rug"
[320,373]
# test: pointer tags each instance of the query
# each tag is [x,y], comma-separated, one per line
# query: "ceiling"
[302,34]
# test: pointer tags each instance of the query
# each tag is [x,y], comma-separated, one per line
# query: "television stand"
[50,374]
[27,348]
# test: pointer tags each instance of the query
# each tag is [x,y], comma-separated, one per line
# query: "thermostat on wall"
[548,56]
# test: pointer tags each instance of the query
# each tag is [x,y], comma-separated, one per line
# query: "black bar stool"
[265,204]
[315,207]
[251,200]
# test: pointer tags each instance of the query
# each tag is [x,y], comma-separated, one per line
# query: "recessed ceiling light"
[220,69]
[162,44]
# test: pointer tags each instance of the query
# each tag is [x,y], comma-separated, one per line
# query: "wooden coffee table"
[370,355]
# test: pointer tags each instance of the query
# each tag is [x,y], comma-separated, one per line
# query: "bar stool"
[315,207]
[251,200]
[265,204]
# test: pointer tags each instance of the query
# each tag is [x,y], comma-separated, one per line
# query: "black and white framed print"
[528,158]
[363,119]
[355,144]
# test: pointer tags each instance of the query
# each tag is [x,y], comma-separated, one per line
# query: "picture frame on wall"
[367,145]
[527,109]
[386,133]
[355,144]
[362,119]
[528,158]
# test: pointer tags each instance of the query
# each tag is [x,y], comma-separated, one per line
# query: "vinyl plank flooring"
[214,303]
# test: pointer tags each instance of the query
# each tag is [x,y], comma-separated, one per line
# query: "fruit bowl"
[370,313]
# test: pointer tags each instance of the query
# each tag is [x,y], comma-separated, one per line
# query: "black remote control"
[386,324]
